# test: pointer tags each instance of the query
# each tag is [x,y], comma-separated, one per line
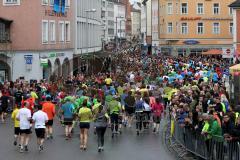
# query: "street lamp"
[116,29]
[87,38]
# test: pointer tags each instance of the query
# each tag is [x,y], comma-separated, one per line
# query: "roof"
[213,52]
[235,4]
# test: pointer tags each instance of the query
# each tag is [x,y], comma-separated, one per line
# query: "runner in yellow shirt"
[108,80]
[16,125]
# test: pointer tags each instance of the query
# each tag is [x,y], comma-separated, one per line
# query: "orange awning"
[213,52]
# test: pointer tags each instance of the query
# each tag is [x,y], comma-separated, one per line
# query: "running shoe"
[26,148]
[41,148]
[15,143]
[99,149]
[21,150]
[138,133]
[154,130]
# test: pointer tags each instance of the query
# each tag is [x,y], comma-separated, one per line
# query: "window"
[177,8]
[216,8]
[67,31]
[44,2]
[44,31]
[2,32]
[231,27]
[200,28]
[52,31]
[67,3]
[216,28]
[184,28]
[11,2]
[184,8]
[51,2]
[111,31]
[61,31]
[231,11]
[200,8]
[170,27]
[110,13]
[170,8]
[110,23]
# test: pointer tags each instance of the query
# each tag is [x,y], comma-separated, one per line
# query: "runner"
[101,122]
[129,108]
[4,105]
[139,112]
[157,110]
[16,125]
[40,118]
[85,117]
[67,111]
[114,108]
[24,116]
[49,109]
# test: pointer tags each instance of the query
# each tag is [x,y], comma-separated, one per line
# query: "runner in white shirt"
[24,116]
[40,118]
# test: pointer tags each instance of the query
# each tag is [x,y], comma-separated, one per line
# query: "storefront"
[43,65]
[5,67]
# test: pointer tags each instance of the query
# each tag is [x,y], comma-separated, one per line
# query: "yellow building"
[193,26]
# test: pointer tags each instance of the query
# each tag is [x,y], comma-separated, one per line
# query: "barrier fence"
[205,146]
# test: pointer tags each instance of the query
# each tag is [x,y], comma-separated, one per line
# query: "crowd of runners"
[136,94]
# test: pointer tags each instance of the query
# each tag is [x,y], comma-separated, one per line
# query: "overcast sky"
[134,1]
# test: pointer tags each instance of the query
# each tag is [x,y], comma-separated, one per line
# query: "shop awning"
[213,52]
[6,21]
[235,68]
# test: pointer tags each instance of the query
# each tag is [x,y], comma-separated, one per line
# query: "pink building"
[35,41]
[235,6]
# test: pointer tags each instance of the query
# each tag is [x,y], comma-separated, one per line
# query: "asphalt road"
[127,146]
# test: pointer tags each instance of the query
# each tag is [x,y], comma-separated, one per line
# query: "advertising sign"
[227,53]
[191,42]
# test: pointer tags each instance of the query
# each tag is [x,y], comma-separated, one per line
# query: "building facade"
[155,26]
[143,23]
[136,19]
[146,25]
[235,7]
[88,26]
[120,19]
[37,44]
[109,34]
[191,27]
[128,20]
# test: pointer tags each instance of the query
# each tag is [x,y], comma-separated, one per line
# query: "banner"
[59,6]
[56,6]
[63,6]
[44,62]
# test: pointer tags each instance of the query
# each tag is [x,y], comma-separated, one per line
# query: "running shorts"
[25,131]
[49,123]
[130,111]
[16,130]
[68,121]
[84,125]
[40,132]
[156,119]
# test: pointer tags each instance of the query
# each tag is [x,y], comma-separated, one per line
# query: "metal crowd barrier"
[206,147]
